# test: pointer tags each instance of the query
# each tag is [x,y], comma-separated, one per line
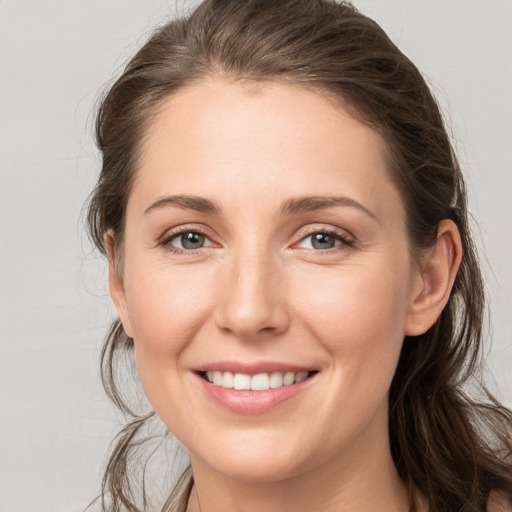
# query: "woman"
[286,229]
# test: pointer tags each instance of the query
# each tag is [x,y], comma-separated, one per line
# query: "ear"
[115,281]
[434,281]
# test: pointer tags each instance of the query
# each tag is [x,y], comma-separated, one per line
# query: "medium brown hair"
[451,449]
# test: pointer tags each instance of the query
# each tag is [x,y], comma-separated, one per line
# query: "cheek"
[167,306]
[356,300]
[358,315]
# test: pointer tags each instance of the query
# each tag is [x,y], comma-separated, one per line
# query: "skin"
[259,290]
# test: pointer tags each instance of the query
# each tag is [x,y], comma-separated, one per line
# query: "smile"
[258,382]
[255,392]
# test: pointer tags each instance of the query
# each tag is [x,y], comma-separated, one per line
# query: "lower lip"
[252,402]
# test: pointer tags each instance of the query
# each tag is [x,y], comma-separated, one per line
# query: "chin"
[262,471]
[254,463]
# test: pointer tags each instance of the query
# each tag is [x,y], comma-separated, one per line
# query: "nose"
[252,300]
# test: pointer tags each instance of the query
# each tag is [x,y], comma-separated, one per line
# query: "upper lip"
[253,368]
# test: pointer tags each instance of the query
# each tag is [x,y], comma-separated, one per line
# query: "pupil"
[192,240]
[323,241]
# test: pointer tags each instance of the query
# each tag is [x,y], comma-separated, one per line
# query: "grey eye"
[323,241]
[189,240]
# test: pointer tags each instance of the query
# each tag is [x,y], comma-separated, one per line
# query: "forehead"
[219,137]
[240,110]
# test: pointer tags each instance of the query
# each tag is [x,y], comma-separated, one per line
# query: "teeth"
[289,378]
[276,380]
[242,381]
[259,382]
[301,376]
[227,380]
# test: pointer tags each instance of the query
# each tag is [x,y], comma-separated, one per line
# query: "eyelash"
[345,242]
[167,240]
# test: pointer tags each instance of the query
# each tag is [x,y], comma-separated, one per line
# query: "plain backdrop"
[56,55]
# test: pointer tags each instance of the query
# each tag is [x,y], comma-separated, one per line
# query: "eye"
[324,241]
[187,240]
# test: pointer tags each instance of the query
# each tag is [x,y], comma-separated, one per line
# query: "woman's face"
[266,244]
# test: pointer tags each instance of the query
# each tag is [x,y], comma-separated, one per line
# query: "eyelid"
[345,238]
[170,234]
[323,228]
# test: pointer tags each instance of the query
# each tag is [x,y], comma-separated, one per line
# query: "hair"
[450,447]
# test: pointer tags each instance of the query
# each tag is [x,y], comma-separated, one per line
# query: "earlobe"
[115,281]
[435,280]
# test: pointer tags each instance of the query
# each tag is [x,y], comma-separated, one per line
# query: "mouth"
[259,382]
[254,387]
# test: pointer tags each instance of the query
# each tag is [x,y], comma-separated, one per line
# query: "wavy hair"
[450,447]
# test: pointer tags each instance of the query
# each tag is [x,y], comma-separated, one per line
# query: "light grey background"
[55,424]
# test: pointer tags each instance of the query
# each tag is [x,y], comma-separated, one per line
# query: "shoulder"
[499,502]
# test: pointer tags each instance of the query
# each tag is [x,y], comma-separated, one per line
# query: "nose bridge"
[252,300]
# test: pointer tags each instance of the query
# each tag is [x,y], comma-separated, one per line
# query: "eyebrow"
[312,203]
[185,202]
[290,207]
